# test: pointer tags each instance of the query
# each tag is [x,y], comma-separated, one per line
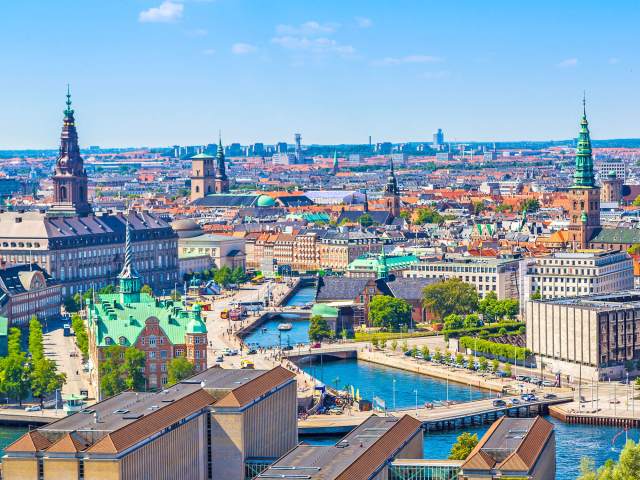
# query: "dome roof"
[186,227]
[265,201]
[196,326]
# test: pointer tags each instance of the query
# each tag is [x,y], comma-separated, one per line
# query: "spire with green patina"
[129,278]
[221,171]
[383,268]
[336,165]
[583,176]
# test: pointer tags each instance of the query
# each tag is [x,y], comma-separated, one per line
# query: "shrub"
[503,350]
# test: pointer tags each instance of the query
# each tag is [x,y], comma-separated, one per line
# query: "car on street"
[527,397]
[499,403]
[550,396]
[219,358]
[515,401]
[252,351]
[548,383]
[33,408]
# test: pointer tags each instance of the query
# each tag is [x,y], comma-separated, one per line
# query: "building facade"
[570,274]
[163,329]
[592,336]
[337,250]
[27,291]
[486,274]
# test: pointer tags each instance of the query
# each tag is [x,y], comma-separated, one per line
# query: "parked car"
[550,396]
[220,358]
[527,397]
[515,401]
[548,383]
[499,403]
[522,378]
[33,408]
[316,345]
[252,351]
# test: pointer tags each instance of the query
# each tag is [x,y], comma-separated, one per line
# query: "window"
[163,354]
[152,340]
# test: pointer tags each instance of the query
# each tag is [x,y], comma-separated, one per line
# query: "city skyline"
[156,73]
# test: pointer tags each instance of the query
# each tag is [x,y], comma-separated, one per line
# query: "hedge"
[503,350]
[491,328]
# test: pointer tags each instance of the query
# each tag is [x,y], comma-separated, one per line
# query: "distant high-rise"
[298,138]
[281,147]
[384,148]
[70,177]
[438,140]
[257,150]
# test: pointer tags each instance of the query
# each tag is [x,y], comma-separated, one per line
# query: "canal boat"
[283,327]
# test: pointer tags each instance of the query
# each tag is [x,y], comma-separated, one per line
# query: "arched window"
[122,340]
[197,189]
[63,193]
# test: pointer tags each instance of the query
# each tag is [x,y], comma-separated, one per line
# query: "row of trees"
[503,350]
[21,374]
[82,336]
[224,276]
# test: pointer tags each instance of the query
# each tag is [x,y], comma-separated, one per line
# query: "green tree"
[223,276]
[425,352]
[394,344]
[132,369]
[537,295]
[36,348]
[374,342]
[495,365]
[437,356]
[404,347]
[464,445]
[82,338]
[627,466]
[179,368]
[487,306]
[14,377]
[389,312]
[107,290]
[472,320]
[453,322]
[478,207]
[45,378]
[450,296]
[428,215]
[634,249]
[459,358]
[111,381]
[483,364]
[503,208]
[507,369]
[238,275]
[146,289]
[318,328]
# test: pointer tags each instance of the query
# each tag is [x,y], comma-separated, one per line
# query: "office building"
[617,166]
[570,274]
[438,140]
[221,424]
[485,273]
[592,336]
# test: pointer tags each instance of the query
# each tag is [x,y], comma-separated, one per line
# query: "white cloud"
[440,74]
[314,45]
[310,28]
[364,22]
[614,61]
[568,63]
[407,59]
[198,32]
[168,11]
[208,51]
[243,48]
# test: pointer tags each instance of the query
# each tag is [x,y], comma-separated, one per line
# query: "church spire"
[129,279]
[391,188]
[583,176]
[221,172]
[336,165]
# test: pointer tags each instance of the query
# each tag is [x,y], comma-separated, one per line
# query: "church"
[81,249]
[585,229]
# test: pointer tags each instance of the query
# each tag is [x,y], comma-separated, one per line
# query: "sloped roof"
[617,235]
[32,441]
[339,288]
[525,457]
[244,394]
[69,443]
[382,450]
[142,428]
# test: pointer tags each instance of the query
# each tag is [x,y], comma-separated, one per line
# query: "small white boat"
[285,326]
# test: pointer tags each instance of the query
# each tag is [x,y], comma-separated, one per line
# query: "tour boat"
[285,326]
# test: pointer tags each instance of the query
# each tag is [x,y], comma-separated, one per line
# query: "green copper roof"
[324,310]
[583,217]
[265,201]
[583,176]
[617,236]
[372,263]
[201,155]
[196,326]
[110,318]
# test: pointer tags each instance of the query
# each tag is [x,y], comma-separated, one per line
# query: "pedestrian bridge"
[441,417]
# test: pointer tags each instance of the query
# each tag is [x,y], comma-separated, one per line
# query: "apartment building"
[583,272]
[338,249]
[486,274]
[220,424]
[306,254]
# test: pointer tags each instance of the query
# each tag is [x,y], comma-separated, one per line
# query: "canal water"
[268,334]
[572,441]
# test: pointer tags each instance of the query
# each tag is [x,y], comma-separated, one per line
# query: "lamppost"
[394,393]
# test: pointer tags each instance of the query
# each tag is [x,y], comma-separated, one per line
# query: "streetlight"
[394,393]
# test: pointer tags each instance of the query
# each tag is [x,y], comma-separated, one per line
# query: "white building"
[486,274]
[584,272]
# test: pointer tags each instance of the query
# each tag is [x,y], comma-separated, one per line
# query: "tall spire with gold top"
[584,176]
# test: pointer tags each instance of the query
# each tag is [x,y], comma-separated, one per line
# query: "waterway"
[572,441]
[8,435]
[268,335]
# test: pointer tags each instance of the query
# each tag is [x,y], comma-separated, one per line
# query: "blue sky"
[153,72]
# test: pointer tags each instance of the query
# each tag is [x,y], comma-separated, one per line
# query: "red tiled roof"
[32,441]
[246,393]
[69,443]
[524,458]
[382,449]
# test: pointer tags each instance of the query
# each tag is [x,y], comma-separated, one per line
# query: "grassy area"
[367,337]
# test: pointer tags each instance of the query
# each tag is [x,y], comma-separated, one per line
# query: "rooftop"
[623,299]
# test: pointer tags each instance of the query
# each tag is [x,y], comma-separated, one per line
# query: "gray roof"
[227,200]
[408,288]
[617,236]
[340,288]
